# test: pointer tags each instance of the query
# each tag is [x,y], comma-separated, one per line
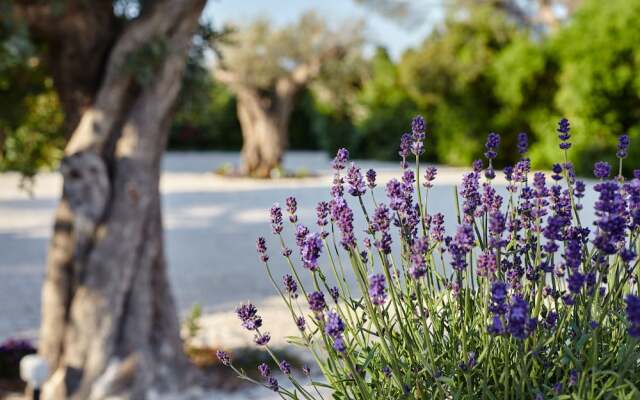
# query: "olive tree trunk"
[264,113]
[264,122]
[109,321]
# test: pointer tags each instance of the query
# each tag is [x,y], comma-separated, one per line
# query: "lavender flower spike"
[355,181]
[311,249]
[340,161]
[377,289]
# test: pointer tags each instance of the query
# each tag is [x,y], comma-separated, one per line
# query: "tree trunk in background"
[264,113]
[264,123]
[109,321]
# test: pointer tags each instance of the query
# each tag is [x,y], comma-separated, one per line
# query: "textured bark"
[264,113]
[264,122]
[109,322]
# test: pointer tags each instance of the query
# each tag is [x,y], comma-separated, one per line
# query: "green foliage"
[383,105]
[599,84]
[450,78]
[31,136]
[206,115]
[191,324]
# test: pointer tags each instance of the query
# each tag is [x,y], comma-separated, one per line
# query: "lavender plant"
[521,301]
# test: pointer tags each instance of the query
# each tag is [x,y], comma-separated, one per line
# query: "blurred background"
[468,66]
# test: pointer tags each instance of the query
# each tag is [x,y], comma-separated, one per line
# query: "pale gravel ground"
[211,224]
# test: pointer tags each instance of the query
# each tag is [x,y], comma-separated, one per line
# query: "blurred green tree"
[383,109]
[598,82]
[31,135]
[450,78]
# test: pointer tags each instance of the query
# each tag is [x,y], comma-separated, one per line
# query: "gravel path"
[211,224]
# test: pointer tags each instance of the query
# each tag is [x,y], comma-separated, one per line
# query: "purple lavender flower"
[573,377]
[223,357]
[339,345]
[335,294]
[311,249]
[395,194]
[377,289]
[496,327]
[418,127]
[557,170]
[518,318]
[384,243]
[301,233]
[437,227]
[498,292]
[460,246]
[633,199]
[252,324]
[322,212]
[486,265]
[301,323]
[371,178]
[263,339]
[633,314]
[355,181]
[264,370]
[563,134]
[610,213]
[575,282]
[477,166]
[261,246]
[557,388]
[381,220]
[334,326]
[601,169]
[551,319]
[429,176]
[272,383]
[276,219]
[292,207]
[470,194]
[316,301]
[521,170]
[290,285]
[490,173]
[246,312]
[343,215]
[285,367]
[623,146]
[497,226]
[337,189]
[340,161]
[523,143]
[405,148]
[418,263]
[493,141]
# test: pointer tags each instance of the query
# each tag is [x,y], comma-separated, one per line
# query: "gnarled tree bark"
[264,114]
[109,322]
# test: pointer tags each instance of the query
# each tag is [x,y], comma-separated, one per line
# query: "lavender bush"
[522,301]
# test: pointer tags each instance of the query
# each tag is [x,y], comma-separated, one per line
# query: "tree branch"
[97,123]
